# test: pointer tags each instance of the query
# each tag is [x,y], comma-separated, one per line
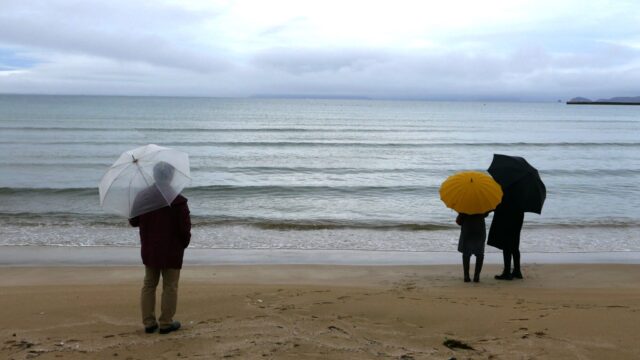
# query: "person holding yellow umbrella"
[473,195]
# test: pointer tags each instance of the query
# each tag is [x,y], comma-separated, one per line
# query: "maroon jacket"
[164,234]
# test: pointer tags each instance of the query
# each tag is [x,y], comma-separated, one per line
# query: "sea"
[316,174]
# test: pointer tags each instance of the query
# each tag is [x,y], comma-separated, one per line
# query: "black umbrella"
[520,182]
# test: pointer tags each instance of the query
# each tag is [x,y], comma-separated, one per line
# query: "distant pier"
[601,103]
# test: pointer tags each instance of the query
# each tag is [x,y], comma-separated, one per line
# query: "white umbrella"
[144,179]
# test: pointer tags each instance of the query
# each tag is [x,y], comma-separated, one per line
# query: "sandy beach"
[576,311]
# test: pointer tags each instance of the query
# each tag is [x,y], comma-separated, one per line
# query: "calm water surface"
[318,174]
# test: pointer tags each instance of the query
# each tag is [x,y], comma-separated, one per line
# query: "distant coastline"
[612,101]
[600,103]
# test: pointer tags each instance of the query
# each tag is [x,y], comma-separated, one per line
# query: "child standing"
[473,234]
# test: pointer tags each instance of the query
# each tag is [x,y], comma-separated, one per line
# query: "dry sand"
[326,312]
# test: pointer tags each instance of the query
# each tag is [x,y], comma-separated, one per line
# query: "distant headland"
[613,101]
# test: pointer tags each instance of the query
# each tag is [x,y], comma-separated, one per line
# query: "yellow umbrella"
[471,192]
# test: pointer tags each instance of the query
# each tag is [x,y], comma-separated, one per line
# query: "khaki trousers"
[170,278]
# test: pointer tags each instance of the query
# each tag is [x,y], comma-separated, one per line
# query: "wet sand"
[577,311]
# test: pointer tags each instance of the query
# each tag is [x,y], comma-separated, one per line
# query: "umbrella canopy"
[471,192]
[144,179]
[521,182]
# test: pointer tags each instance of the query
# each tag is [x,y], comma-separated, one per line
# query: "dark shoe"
[173,327]
[467,279]
[516,275]
[151,329]
[476,279]
[504,276]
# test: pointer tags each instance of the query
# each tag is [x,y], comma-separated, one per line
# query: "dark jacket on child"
[472,234]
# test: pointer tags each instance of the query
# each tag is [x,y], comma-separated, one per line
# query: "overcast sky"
[453,49]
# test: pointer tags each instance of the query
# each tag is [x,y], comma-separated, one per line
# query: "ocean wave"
[174,130]
[83,219]
[264,170]
[278,190]
[29,219]
[589,172]
[62,128]
[318,170]
[403,144]
[317,224]
[231,190]
[69,219]
[367,144]
[48,191]
[60,165]
[443,173]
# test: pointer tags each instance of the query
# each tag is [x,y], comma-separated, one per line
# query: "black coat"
[504,232]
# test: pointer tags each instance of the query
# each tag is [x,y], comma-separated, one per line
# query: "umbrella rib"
[174,168]
[484,197]
[130,204]
[142,173]
[475,194]
[115,177]
[183,174]
[162,194]
[453,189]
[464,194]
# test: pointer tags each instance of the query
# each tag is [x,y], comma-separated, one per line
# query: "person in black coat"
[504,234]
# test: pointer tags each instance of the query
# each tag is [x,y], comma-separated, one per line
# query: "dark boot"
[516,274]
[506,273]
[173,327]
[476,274]
[466,259]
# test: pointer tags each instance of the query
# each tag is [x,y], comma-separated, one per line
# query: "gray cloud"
[526,72]
[144,33]
[157,48]
[284,27]
[300,61]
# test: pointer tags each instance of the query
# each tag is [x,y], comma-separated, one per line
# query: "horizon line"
[306,97]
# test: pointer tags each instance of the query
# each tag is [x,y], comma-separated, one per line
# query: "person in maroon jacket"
[164,234]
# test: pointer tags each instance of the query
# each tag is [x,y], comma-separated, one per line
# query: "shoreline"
[27,255]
